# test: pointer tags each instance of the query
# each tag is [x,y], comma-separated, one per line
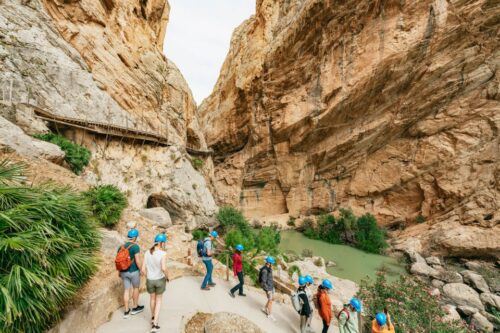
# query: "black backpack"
[261,274]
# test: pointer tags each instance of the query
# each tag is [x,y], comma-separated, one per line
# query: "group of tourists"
[130,266]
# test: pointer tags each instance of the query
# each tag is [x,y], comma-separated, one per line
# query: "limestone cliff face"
[122,41]
[389,107]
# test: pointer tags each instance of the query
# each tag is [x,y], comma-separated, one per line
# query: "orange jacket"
[325,306]
[388,328]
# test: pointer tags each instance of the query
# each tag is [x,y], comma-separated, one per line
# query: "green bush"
[362,232]
[47,251]
[76,156]
[420,219]
[199,234]
[307,253]
[294,269]
[229,217]
[107,203]
[197,163]
[409,303]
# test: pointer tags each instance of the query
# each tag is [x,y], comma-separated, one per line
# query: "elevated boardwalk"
[108,129]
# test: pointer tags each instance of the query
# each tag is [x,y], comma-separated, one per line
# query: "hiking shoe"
[126,314]
[231,294]
[212,284]
[206,288]
[242,294]
[137,310]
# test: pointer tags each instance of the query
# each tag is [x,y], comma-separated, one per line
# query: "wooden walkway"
[111,130]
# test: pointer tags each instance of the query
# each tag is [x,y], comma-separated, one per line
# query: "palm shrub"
[47,251]
[76,156]
[107,203]
[409,303]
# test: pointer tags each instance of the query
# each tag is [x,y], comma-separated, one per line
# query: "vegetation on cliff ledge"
[361,232]
[47,245]
[107,203]
[76,156]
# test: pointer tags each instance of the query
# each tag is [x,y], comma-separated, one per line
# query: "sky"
[198,36]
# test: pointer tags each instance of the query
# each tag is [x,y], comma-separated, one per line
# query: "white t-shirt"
[207,246]
[153,264]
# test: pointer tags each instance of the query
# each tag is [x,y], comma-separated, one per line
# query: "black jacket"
[306,307]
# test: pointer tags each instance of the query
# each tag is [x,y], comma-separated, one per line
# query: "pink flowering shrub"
[410,305]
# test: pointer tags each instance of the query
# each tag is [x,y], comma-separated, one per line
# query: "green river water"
[352,264]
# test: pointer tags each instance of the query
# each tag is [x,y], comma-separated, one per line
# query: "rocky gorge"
[386,107]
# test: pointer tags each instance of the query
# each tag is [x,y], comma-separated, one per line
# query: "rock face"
[385,107]
[158,215]
[462,294]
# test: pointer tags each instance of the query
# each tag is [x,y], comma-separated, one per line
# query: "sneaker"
[242,294]
[155,328]
[271,317]
[231,294]
[212,284]
[126,314]
[265,311]
[206,288]
[137,310]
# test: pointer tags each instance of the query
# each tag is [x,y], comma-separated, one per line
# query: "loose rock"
[476,281]
[462,294]
[491,300]
[481,323]
[433,261]
[421,268]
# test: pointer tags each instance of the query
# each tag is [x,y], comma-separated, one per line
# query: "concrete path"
[183,298]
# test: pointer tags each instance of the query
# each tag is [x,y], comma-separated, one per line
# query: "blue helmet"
[133,233]
[270,260]
[356,304]
[239,247]
[381,318]
[160,238]
[327,284]
[302,280]
[214,234]
[309,279]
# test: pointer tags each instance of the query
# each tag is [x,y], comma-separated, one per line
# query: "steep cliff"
[388,107]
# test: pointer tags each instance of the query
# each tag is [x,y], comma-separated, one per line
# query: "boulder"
[462,294]
[480,323]
[111,241]
[451,313]
[476,281]
[330,263]
[414,257]
[158,215]
[225,322]
[433,261]
[435,292]
[491,300]
[466,311]
[421,268]
[448,276]
[473,265]
[437,283]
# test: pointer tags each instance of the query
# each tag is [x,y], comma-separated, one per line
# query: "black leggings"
[239,285]
[325,327]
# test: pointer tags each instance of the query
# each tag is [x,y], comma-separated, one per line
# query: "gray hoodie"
[267,282]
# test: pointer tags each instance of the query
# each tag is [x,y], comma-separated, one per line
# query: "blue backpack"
[200,248]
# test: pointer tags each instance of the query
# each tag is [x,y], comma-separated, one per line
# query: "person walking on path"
[309,283]
[349,317]
[207,260]
[155,269]
[267,284]
[305,309]
[382,323]
[131,276]
[324,304]
[238,271]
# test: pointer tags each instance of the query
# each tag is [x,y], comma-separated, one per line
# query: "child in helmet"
[238,270]
[382,323]
[305,311]
[309,283]
[348,317]
[267,284]
[325,304]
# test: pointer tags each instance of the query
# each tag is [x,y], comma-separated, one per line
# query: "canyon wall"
[388,107]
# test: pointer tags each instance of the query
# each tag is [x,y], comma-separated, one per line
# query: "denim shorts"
[131,279]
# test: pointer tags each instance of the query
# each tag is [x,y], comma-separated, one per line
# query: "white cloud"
[198,37]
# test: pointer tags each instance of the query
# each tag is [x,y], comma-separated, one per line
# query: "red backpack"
[347,313]
[123,260]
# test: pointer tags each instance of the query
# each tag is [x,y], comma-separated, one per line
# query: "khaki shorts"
[156,286]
